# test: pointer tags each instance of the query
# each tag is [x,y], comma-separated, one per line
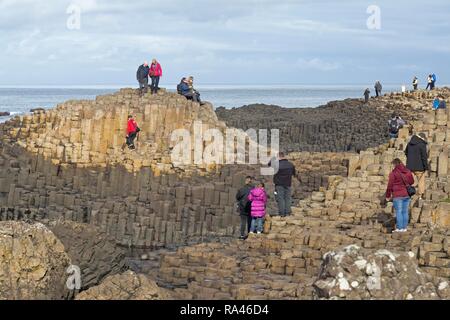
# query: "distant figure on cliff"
[244,207]
[142,77]
[415,83]
[417,160]
[366,95]
[378,87]
[395,124]
[436,102]
[283,185]
[429,82]
[132,131]
[397,189]
[433,81]
[186,89]
[155,74]
[258,198]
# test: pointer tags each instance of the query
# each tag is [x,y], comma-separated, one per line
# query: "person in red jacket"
[155,73]
[132,131]
[399,179]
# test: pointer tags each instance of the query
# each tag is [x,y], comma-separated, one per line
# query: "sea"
[19,100]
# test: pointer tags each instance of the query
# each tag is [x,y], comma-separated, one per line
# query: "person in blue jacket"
[433,81]
[436,102]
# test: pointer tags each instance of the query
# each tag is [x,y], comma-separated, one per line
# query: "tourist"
[433,81]
[366,95]
[415,83]
[283,185]
[192,89]
[186,89]
[436,102]
[244,207]
[429,82]
[417,160]
[258,198]
[399,181]
[142,77]
[378,87]
[155,74]
[132,132]
[395,124]
[442,104]
[180,85]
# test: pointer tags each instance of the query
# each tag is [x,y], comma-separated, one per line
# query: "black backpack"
[393,126]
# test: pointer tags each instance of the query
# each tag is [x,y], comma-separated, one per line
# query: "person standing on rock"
[378,88]
[433,81]
[366,95]
[397,189]
[155,74]
[429,82]
[142,77]
[244,207]
[415,83]
[417,160]
[132,131]
[258,199]
[283,185]
[395,124]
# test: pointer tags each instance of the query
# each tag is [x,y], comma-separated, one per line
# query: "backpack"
[433,77]
[394,126]
[179,88]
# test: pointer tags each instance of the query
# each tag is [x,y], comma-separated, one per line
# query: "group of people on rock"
[400,187]
[186,89]
[154,71]
[439,103]
[252,198]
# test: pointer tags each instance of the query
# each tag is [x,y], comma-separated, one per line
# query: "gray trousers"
[284,200]
[246,222]
[143,86]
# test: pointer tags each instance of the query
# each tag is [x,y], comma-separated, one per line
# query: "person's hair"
[394,115]
[249,177]
[130,116]
[260,183]
[281,154]
[423,136]
[397,162]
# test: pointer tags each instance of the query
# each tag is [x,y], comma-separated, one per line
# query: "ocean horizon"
[18,100]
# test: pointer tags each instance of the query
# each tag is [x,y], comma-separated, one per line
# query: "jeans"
[155,83]
[401,206]
[378,92]
[246,223]
[130,139]
[284,200]
[257,225]
[143,85]
[393,135]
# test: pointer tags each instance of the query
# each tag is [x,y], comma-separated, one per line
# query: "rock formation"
[33,263]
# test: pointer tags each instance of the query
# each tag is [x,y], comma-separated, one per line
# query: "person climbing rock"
[283,185]
[395,124]
[132,131]
[397,189]
[417,160]
[155,74]
[142,77]
[244,207]
[378,87]
[258,198]
[366,95]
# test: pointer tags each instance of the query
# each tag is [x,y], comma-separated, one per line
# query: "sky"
[42,42]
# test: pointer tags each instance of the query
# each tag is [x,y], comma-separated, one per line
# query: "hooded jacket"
[396,186]
[258,197]
[155,70]
[131,126]
[416,154]
[285,173]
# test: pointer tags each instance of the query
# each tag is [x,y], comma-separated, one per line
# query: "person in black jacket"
[142,77]
[417,160]
[283,185]
[245,206]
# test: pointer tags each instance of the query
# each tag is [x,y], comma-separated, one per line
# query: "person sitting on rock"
[258,198]
[142,77]
[155,74]
[436,103]
[442,104]
[244,207]
[132,131]
[397,189]
[187,90]
[395,124]
[366,95]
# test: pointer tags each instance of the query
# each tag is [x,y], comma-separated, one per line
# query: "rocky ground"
[70,195]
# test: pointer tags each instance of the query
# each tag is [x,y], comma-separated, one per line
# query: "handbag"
[409,188]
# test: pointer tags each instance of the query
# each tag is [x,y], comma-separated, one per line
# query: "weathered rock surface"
[126,286]
[33,262]
[93,251]
[355,273]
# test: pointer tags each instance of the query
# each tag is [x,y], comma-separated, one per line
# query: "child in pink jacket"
[258,197]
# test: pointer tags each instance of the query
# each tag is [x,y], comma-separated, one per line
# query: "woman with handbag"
[400,189]
[155,74]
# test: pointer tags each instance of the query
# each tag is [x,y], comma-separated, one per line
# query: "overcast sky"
[223,42]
